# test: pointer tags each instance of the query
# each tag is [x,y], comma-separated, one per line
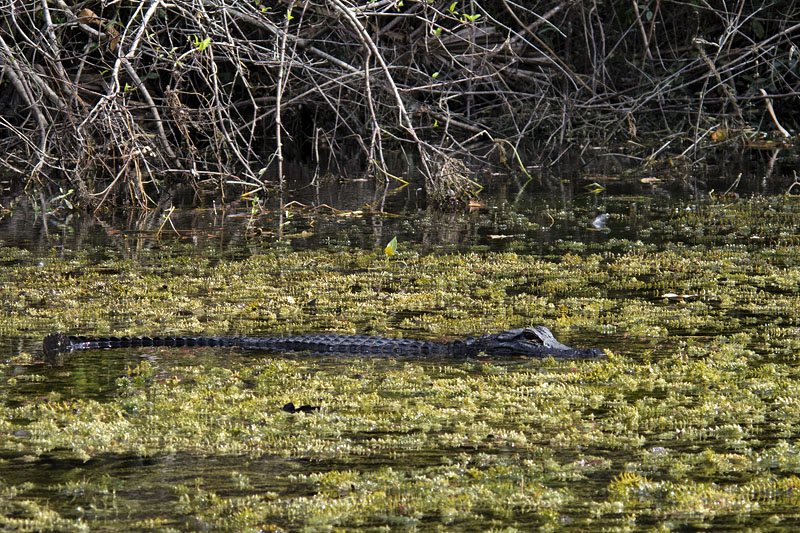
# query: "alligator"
[537,341]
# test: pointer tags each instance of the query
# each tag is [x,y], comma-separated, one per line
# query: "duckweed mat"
[690,422]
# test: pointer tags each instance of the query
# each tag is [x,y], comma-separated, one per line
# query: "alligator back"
[339,344]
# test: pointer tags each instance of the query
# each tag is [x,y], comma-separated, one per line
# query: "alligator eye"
[532,335]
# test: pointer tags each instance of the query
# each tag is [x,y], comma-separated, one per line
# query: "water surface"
[689,422]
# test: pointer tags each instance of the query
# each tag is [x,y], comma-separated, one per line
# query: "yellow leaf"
[391,248]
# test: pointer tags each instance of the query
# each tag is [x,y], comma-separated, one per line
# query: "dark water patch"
[539,224]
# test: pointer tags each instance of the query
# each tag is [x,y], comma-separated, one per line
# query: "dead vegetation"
[123,100]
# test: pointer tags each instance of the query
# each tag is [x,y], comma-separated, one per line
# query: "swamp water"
[690,422]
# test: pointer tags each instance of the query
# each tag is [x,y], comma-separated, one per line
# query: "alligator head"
[537,341]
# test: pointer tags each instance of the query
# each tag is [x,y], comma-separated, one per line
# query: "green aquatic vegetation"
[466,488]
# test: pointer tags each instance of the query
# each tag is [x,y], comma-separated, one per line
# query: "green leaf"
[453,7]
[202,45]
[391,248]
[435,75]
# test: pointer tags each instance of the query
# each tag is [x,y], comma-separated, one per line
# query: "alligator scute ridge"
[537,341]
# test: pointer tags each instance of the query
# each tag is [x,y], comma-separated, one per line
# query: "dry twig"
[129,100]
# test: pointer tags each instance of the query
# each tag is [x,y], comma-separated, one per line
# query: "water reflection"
[537,221]
[559,204]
